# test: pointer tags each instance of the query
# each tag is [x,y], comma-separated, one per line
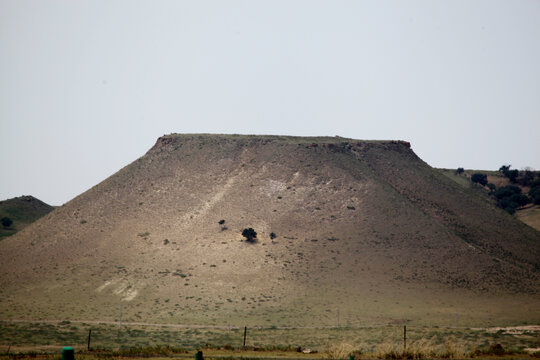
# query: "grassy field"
[328,342]
[530,215]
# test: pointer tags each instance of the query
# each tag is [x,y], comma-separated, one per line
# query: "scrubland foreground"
[23,339]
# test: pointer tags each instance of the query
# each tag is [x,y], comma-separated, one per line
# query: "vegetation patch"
[250,234]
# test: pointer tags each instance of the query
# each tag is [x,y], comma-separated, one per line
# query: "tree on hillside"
[504,169]
[510,198]
[6,222]
[223,226]
[249,234]
[507,191]
[526,177]
[534,192]
[479,178]
[510,174]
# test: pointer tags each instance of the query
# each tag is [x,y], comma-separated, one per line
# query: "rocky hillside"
[365,228]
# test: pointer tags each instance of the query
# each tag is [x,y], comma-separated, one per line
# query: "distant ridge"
[22,210]
[363,226]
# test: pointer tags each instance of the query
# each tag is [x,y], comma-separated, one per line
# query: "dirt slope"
[363,227]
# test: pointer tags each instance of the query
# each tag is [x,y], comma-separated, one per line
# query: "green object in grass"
[68,353]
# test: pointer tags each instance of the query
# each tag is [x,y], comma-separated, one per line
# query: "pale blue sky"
[86,87]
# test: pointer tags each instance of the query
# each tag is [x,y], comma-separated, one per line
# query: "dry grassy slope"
[529,214]
[473,218]
[365,227]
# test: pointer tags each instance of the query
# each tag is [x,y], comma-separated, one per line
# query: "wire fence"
[177,339]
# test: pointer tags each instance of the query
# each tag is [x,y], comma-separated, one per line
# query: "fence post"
[245,332]
[404,338]
[89,336]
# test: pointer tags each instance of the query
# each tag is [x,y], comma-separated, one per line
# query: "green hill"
[22,211]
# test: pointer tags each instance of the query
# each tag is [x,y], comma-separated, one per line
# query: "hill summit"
[363,227]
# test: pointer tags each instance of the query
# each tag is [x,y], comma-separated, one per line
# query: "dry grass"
[530,215]
[339,350]
[423,349]
[454,349]
[388,350]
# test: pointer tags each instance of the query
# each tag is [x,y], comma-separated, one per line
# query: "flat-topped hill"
[365,227]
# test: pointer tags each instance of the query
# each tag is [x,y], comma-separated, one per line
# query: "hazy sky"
[86,87]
